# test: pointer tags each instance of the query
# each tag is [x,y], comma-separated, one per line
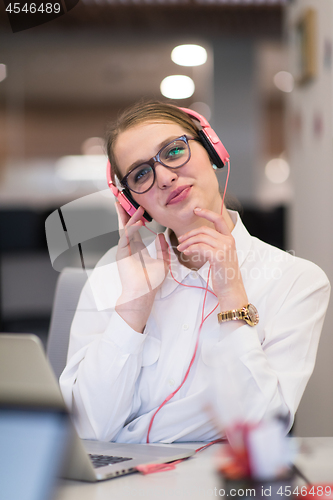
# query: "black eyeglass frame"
[157,159]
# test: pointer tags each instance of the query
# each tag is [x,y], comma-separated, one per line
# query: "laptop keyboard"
[103,460]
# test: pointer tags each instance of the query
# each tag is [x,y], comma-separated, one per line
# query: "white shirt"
[116,377]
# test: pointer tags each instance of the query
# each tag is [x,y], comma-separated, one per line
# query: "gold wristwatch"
[247,313]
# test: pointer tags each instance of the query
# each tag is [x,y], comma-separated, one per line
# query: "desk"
[194,479]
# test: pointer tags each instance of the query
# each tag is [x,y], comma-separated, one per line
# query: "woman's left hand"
[217,245]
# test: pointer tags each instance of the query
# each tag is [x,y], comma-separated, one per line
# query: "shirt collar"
[242,237]
[180,272]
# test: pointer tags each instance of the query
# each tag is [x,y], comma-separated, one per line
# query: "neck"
[186,260]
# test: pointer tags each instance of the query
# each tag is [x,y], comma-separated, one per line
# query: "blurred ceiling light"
[284,81]
[203,109]
[82,168]
[277,170]
[177,87]
[189,55]
[93,146]
[3,72]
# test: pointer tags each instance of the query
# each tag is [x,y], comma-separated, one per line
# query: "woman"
[134,334]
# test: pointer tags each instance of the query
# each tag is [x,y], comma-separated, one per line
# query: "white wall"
[310,150]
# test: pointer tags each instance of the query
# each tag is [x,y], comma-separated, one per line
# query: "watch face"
[253,314]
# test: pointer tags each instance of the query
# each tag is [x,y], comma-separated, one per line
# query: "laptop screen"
[32,448]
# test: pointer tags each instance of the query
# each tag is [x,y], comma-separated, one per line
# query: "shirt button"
[171,382]
[185,326]
[194,275]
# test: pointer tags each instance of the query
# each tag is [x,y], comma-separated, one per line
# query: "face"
[177,192]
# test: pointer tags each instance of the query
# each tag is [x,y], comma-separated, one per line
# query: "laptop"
[32,450]
[27,379]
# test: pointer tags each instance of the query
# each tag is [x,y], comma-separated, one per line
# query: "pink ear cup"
[123,200]
[209,133]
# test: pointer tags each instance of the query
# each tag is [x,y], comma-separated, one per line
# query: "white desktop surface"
[194,479]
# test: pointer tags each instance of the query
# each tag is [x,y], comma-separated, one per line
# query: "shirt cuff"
[122,335]
[240,341]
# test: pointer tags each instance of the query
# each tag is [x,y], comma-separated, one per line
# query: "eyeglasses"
[174,155]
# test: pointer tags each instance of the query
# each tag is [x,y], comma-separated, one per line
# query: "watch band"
[248,313]
[234,314]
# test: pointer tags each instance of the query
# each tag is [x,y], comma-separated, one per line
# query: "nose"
[164,176]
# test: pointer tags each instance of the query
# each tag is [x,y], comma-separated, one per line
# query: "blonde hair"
[141,112]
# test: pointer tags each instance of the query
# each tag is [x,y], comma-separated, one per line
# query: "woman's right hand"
[140,274]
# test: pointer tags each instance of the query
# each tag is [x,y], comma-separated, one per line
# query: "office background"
[66,79]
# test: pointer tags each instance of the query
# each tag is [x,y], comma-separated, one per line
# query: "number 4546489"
[312,492]
[32,8]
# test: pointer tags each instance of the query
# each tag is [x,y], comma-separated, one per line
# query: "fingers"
[200,237]
[137,216]
[125,219]
[209,231]
[128,234]
[218,220]
[123,216]
[128,227]
[212,243]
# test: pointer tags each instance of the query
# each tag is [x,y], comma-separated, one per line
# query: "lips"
[178,194]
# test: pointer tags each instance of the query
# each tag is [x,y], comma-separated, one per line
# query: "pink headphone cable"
[203,319]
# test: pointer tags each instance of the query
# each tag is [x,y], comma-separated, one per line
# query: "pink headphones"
[210,141]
